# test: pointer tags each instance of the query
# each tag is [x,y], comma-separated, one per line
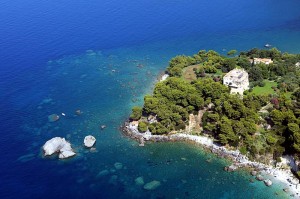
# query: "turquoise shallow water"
[104,85]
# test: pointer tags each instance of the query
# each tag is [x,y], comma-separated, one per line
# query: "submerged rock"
[118,165]
[58,145]
[89,141]
[102,173]
[152,185]
[53,117]
[139,181]
[46,101]
[78,112]
[268,182]
[113,180]
[93,149]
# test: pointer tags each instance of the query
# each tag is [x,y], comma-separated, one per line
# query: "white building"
[266,61]
[237,80]
[134,124]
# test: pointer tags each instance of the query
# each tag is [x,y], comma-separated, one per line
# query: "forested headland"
[264,122]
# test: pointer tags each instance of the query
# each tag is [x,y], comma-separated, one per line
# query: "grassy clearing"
[189,74]
[266,90]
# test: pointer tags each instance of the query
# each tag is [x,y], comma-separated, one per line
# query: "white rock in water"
[268,182]
[58,145]
[89,141]
[259,178]
[294,181]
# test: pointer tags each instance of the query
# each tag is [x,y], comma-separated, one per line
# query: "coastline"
[282,175]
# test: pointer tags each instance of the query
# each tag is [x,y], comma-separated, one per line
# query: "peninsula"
[244,106]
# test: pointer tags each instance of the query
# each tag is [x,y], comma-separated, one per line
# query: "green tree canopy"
[142,126]
[136,113]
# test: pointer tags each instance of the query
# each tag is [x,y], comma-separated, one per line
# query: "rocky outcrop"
[294,181]
[253,173]
[58,145]
[231,168]
[141,141]
[89,141]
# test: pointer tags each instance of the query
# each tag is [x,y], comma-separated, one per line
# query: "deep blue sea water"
[59,56]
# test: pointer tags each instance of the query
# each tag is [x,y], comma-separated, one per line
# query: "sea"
[102,58]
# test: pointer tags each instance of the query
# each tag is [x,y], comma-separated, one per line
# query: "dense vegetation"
[259,124]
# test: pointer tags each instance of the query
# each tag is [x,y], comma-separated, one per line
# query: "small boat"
[268,45]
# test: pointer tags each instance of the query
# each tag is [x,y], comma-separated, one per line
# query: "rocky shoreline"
[260,170]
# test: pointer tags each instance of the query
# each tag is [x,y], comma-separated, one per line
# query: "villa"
[237,80]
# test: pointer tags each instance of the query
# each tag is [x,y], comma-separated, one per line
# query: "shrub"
[180,126]
[143,126]
[243,150]
[136,113]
